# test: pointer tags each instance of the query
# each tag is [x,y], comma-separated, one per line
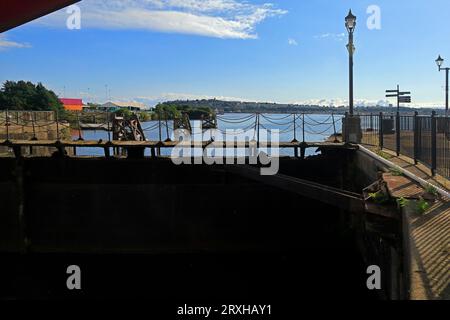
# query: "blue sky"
[286,51]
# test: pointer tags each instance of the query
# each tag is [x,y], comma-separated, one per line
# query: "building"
[72,104]
[114,106]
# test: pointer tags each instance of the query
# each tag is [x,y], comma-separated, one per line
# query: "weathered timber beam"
[346,200]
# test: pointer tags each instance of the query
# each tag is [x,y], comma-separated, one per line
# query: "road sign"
[391,95]
[404,99]
[391,90]
[404,93]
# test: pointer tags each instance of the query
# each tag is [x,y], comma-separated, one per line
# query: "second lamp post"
[440,62]
[350,24]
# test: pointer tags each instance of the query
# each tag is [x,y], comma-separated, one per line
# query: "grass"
[396,172]
[403,202]
[383,154]
[431,190]
[422,206]
[379,197]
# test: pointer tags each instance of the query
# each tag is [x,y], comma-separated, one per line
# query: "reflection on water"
[317,128]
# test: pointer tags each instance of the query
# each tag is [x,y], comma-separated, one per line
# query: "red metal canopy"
[14,13]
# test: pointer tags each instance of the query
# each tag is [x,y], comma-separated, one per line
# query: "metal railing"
[424,138]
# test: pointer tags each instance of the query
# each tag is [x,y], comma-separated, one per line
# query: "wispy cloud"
[6,44]
[227,19]
[333,36]
[292,42]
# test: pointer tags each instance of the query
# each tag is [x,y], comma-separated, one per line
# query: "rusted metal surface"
[182,123]
[128,129]
[400,186]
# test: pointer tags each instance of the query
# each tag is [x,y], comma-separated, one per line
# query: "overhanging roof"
[14,13]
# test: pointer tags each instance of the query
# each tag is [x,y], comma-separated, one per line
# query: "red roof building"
[72,104]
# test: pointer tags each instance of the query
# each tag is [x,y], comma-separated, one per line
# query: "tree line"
[24,95]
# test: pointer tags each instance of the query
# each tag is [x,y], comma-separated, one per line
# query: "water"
[317,127]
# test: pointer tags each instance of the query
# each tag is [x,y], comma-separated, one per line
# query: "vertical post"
[371,121]
[57,124]
[397,133]
[334,127]
[350,48]
[79,129]
[433,143]
[446,90]
[33,120]
[398,98]
[108,116]
[380,133]
[257,137]
[167,126]
[159,122]
[345,125]
[416,136]
[7,124]
[303,126]
[295,128]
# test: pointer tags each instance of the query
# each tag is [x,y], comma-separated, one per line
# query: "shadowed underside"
[14,13]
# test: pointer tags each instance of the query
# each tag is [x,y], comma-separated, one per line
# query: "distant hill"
[267,107]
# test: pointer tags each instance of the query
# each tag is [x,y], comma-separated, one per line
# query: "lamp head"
[350,22]
[439,62]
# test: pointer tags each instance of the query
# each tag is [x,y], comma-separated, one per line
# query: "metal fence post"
[167,126]
[433,143]
[371,121]
[380,131]
[108,119]
[257,137]
[159,124]
[397,133]
[7,125]
[334,128]
[295,129]
[416,137]
[303,127]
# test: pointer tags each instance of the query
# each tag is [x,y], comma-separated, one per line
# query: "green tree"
[23,95]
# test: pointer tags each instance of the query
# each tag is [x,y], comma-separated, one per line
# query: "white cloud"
[333,36]
[228,19]
[8,44]
[292,42]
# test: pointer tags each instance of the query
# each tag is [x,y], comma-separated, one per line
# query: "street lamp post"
[350,24]
[440,62]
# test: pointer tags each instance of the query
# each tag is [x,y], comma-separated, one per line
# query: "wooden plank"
[172,144]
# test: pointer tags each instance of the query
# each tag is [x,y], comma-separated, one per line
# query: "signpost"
[402,96]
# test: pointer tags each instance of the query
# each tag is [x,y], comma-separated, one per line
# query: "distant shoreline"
[221,106]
